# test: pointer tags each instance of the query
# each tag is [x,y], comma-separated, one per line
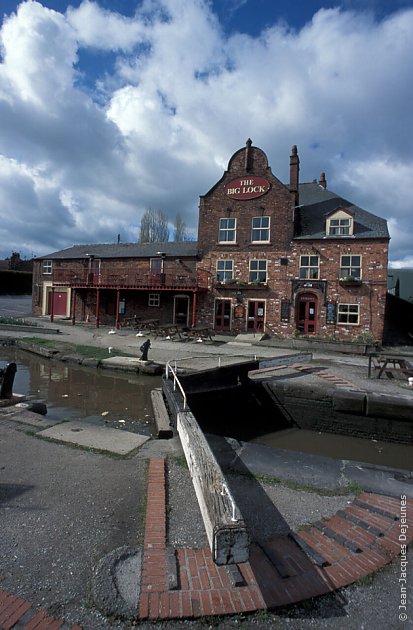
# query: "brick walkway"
[18,613]
[185,583]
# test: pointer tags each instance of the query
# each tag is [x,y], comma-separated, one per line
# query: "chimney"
[294,172]
[323,181]
[248,155]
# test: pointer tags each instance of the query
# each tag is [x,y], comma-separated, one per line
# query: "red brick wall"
[283,280]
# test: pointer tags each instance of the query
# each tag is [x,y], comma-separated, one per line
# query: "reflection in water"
[73,392]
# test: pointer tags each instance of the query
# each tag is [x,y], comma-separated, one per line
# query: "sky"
[110,107]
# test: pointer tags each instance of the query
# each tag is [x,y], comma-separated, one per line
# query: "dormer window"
[340,223]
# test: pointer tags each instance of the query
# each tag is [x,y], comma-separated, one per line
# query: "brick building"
[110,283]
[281,259]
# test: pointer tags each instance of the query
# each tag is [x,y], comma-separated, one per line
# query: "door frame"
[259,324]
[181,296]
[229,302]
[306,297]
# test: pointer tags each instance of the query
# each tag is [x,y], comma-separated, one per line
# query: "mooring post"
[7,379]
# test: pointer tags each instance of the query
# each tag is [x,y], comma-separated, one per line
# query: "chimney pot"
[323,181]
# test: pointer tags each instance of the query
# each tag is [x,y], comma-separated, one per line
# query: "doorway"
[181,310]
[307,312]
[60,302]
[256,316]
[223,315]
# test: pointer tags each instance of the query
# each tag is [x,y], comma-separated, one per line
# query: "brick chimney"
[248,155]
[323,181]
[294,172]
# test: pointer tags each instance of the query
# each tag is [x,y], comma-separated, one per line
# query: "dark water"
[238,414]
[73,392]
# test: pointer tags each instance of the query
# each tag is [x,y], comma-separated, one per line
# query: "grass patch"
[90,352]
[15,321]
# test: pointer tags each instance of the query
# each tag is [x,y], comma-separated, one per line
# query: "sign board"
[331,313]
[285,311]
[249,187]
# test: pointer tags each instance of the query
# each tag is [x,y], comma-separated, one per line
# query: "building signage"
[247,187]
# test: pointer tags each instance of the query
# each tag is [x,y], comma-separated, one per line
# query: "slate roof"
[316,203]
[125,250]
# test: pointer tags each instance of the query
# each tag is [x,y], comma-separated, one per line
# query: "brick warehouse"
[271,258]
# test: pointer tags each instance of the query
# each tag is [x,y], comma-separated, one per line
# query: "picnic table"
[148,324]
[167,330]
[198,333]
[389,363]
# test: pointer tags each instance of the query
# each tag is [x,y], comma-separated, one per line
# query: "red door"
[59,303]
[223,315]
[307,310]
[256,316]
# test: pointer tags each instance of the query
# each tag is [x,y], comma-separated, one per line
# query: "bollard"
[144,349]
[7,379]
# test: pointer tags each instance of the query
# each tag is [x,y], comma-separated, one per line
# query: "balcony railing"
[129,280]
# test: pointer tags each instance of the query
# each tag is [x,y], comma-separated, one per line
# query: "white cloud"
[158,126]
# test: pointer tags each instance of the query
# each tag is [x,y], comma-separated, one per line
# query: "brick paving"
[18,613]
[186,583]
[333,553]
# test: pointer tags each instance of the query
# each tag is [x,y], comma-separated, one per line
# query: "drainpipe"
[194,310]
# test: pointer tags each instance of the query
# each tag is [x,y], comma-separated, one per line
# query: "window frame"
[348,314]
[154,300]
[258,271]
[307,268]
[346,271]
[342,222]
[227,230]
[47,267]
[260,229]
[227,271]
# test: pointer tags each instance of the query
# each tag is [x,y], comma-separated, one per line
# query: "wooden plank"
[225,528]
[162,421]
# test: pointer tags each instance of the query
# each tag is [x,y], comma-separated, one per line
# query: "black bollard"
[7,375]
[144,349]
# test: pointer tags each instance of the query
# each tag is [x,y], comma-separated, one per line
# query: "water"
[74,392]
[340,447]
[238,414]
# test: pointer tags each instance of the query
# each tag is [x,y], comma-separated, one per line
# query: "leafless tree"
[154,227]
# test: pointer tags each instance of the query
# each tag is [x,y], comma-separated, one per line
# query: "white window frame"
[225,231]
[154,299]
[347,270]
[47,267]
[262,229]
[260,271]
[340,224]
[306,271]
[348,312]
[226,273]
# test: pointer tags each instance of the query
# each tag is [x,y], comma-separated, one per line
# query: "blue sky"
[110,107]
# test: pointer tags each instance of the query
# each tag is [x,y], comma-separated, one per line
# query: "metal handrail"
[173,370]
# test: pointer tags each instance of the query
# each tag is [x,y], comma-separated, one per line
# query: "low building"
[112,284]
[281,259]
